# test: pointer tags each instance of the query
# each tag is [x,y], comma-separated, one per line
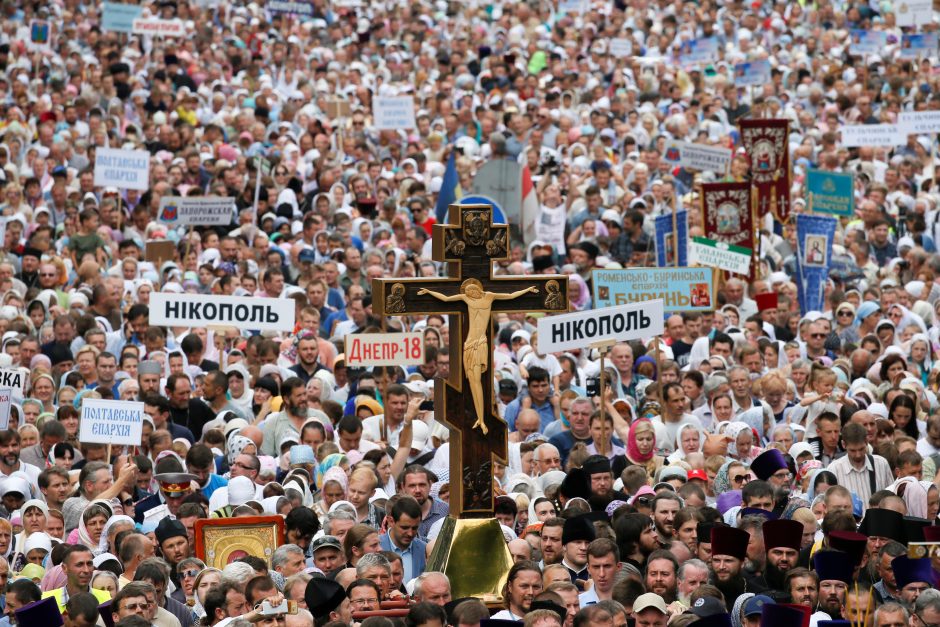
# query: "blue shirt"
[215,482]
[545,411]
[407,563]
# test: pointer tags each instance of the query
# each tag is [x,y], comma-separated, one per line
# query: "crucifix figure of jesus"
[471,294]
[476,350]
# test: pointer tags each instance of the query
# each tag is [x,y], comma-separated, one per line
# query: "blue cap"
[307,255]
[755,605]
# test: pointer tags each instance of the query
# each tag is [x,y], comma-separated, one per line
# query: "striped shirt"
[858,480]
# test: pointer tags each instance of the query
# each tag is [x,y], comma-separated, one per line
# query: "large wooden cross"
[469,296]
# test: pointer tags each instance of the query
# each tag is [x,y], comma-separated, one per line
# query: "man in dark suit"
[402,537]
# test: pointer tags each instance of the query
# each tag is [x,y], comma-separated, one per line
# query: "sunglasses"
[739,479]
[817,335]
[845,313]
[189,573]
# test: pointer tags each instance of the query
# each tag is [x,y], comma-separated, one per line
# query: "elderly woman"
[33,515]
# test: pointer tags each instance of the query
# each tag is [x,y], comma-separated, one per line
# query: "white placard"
[111,422]
[919,122]
[196,210]
[752,73]
[584,328]
[200,310]
[6,399]
[879,135]
[157,27]
[697,156]
[621,47]
[384,349]
[550,227]
[14,378]
[40,35]
[913,12]
[394,112]
[124,169]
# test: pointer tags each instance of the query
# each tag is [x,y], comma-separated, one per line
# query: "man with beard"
[665,507]
[782,539]
[729,549]
[552,547]
[577,534]
[835,570]
[661,569]
[597,468]
[290,420]
[523,584]
[803,586]
[185,410]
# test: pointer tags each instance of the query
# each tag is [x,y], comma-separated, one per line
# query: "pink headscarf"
[633,451]
[54,578]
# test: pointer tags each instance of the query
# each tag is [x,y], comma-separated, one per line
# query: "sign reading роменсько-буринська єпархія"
[201,310]
[111,422]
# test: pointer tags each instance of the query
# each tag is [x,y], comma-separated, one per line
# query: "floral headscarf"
[722,482]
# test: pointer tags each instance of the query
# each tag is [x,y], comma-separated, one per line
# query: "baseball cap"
[755,605]
[698,474]
[707,606]
[648,600]
[326,542]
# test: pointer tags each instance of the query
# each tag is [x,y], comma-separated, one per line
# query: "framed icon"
[221,541]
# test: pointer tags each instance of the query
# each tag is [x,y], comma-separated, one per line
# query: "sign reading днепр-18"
[681,289]
[200,310]
[384,349]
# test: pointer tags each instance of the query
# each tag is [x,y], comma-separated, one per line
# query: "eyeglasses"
[47,274]
[133,607]
[189,573]
[817,335]
[739,479]
[244,466]
[925,623]
[782,474]
[360,602]
[845,313]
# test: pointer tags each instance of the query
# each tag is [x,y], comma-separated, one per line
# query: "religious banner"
[40,35]
[680,289]
[768,149]
[726,214]
[160,28]
[666,240]
[621,47]
[862,42]
[831,192]
[124,169]
[814,236]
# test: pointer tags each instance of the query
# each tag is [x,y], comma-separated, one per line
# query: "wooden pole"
[675,231]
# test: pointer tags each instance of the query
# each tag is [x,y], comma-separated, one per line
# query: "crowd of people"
[756,465]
